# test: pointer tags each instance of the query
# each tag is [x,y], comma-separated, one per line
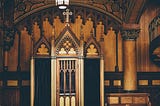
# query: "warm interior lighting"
[62,4]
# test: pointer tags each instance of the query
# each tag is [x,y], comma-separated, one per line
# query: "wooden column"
[129,35]
[53,70]
[81,71]
[81,60]
[102,81]
[32,86]
[102,71]
[32,72]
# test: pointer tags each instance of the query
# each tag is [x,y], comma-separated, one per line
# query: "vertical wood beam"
[53,81]
[130,74]
[102,81]
[81,82]
[53,70]
[102,70]
[129,34]
[32,81]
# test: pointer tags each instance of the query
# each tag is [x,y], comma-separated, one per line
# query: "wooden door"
[67,82]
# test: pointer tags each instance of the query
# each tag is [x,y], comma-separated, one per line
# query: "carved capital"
[130,31]
[8,37]
[130,34]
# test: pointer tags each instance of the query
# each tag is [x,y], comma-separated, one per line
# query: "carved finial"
[67,13]
[92,51]
[43,50]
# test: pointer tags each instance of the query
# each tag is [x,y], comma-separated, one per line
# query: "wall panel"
[11,97]
[143,62]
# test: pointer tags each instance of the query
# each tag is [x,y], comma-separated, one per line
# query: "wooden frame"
[76,79]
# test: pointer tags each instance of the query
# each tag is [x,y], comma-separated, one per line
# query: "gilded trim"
[155,82]
[107,82]
[117,83]
[143,82]
[13,83]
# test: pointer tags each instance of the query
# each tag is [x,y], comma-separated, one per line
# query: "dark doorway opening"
[92,82]
[42,82]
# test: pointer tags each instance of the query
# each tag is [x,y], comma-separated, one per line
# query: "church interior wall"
[144,63]
[18,83]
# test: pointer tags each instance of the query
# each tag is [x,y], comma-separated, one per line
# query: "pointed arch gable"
[42,47]
[67,43]
[92,48]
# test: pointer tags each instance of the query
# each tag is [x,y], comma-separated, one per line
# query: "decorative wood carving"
[153,28]
[92,51]
[92,47]
[84,12]
[88,17]
[8,37]
[130,31]
[67,43]
[112,8]
[42,47]
[42,50]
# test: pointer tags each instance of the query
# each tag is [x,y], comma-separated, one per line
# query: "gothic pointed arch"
[42,47]
[92,47]
[67,44]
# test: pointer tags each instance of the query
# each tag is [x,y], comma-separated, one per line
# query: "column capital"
[130,31]
[8,37]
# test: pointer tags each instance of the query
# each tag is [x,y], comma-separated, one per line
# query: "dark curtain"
[25,96]
[42,82]
[92,82]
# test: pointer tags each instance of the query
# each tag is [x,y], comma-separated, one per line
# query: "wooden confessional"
[66,71]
